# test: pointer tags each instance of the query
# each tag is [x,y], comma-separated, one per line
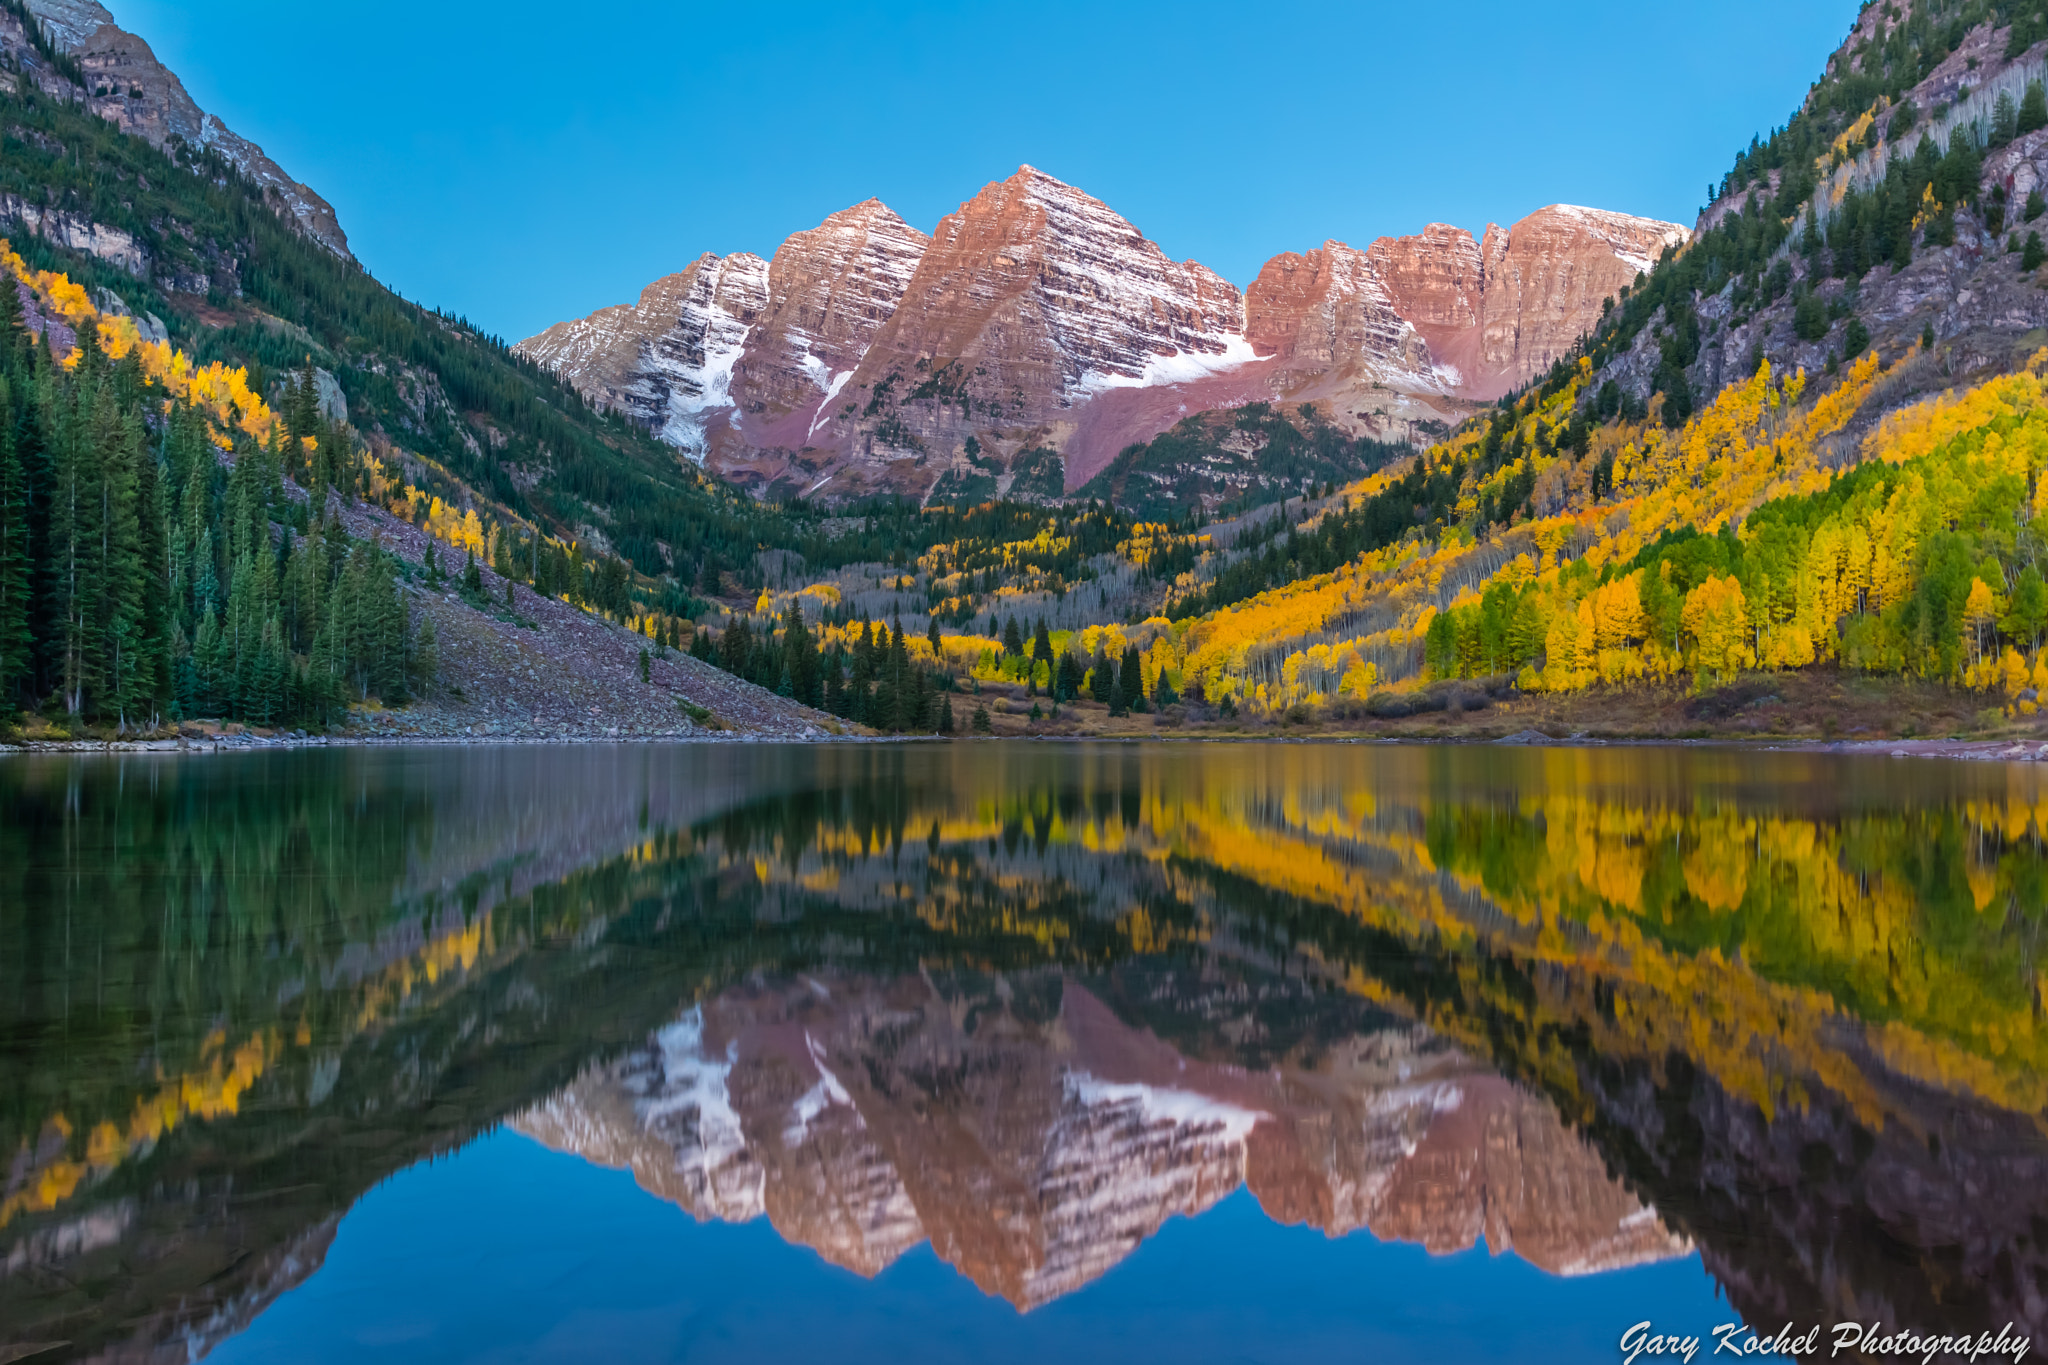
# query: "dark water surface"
[1014,1052]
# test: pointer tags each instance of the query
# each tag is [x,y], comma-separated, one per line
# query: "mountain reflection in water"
[1025,1003]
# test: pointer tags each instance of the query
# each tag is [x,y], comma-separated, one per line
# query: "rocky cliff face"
[667,361]
[130,88]
[1036,318]
[864,1117]
[742,353]
[1033,300]
[1441,312]
[831,289]
[1967,294]
[1545,281]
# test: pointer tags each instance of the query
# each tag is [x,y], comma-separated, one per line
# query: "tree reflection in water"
[1025,1002]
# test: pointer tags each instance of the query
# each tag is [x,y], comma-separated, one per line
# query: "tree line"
[146,577]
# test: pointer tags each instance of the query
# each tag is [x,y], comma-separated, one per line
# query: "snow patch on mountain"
[1177,367]
[826,1094]
[683,1096]
[695,361]
[1160,1105]
[825,405]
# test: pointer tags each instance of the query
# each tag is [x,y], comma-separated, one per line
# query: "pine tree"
[835,686]
[2033,108]
[1067,685]
[207,692]
[1013,639]
[272,666]
[426,656]
[946,715]
[799,655]
[1041,643]
[1163,694]
[472,577]
[16,644]
[1131,678]
[127,665]
[78,548]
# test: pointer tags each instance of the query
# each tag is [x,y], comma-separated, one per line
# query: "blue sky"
[521,163]
[507,1251]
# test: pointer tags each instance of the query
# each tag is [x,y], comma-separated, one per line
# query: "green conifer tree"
[1131,678]
[2033,111]
[426,656]
[16,644]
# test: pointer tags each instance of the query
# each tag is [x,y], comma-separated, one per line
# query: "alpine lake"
[1021,1051]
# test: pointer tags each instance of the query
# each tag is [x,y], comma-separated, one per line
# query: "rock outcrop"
[831,289]
[740,354]
[1036,319]
[1441,312]
[667,361]
[1033,300]
[129,87]
[1965,292]
[863,1117]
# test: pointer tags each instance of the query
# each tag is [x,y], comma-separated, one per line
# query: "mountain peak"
[1037,318]
[131,89]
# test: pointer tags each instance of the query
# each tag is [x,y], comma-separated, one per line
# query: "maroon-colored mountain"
[868,357]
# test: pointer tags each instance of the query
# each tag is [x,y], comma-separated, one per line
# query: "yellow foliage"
[1717,618]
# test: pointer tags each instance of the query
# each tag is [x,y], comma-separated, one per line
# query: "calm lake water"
[1014,1052]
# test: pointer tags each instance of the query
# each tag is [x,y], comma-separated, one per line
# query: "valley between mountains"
[1771,474]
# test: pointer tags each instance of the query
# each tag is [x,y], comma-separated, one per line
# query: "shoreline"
[1961,750]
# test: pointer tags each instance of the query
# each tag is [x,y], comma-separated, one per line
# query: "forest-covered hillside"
[181,236]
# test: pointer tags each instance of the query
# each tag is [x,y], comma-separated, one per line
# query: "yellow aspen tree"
[1856,568]
[1716,616]
[1979,611]
[2014,671]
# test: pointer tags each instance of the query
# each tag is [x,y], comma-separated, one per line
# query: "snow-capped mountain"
[872,357]
[666,361]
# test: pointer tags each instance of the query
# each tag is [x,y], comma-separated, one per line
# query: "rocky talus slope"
[542,669]
[869,357]
[862,1118]
[130,88]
